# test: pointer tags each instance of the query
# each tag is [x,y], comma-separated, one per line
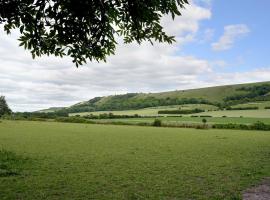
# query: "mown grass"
[81,161]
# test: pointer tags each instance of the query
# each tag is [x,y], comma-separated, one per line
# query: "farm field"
[238,113]
[211,111]
[260,104]
[181,120]
[150,111]
[82,161]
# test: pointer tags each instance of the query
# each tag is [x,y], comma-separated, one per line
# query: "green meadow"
[192,120]
[48,160]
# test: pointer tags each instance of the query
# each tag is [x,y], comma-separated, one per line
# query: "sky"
[218,42]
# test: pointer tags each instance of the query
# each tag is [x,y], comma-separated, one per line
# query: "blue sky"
[248,52]
[218,42]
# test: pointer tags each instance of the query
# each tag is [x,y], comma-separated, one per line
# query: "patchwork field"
[210,110]
[152,111]
[80,161]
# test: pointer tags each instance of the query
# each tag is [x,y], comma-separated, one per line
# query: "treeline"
[35,115]
[256,126]
[253,93]
[111,116]
[180,111]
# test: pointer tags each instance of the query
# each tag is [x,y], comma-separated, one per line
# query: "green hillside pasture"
[79,161]
[212,94]
[152,111]
[182,120]
[260,104]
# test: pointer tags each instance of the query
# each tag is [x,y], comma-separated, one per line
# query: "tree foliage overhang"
[86,29]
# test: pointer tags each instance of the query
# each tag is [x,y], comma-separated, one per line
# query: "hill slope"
[220,96]
[52,109]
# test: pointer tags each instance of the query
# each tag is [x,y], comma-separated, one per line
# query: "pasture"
[238,113]
[151,111]
[259,104]
[82,161]
[192,120]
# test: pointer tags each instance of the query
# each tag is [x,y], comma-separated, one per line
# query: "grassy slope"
[212,94]
[78,161]
[52,109]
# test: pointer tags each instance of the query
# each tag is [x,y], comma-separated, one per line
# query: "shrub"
[180,111]
[73,120]
[260,126]
[256,126]
[243,108]
[157,123]
[267,107]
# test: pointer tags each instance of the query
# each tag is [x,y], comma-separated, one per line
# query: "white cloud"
[256,75]
[34,84]
[231,33]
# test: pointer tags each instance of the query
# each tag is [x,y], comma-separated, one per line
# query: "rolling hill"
[52,109]
[220,96]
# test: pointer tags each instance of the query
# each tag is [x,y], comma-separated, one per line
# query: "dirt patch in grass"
[259,192]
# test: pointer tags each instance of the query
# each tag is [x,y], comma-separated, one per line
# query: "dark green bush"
[243,108]
[73,120]
[157,123]
[180,111]
[256,126]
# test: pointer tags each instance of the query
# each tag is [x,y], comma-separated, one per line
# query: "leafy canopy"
[86,29]
[4,109]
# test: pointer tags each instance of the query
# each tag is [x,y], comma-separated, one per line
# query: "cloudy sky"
[218,42]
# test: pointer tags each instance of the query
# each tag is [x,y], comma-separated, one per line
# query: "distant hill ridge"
[220,96]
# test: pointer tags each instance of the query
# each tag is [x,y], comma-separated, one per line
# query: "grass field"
[260,104]
[238,113]
[152,111]
[181,120]
[80,161]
